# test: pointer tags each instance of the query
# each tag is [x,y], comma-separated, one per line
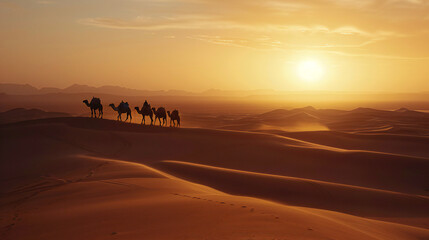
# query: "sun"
[310,70]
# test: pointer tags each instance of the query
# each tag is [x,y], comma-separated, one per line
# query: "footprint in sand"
[231,204]
[252,210]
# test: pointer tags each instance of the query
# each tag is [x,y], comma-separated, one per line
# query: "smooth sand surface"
[81,178]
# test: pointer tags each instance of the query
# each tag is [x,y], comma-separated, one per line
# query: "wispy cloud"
[337,25]
[157,23]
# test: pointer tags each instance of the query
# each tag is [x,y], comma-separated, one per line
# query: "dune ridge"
[125,200]
[305,192]
[129,181]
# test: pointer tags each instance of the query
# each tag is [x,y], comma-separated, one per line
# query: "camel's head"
[86,102]
[168,112]
[112,105]
[153,109]
[137,108]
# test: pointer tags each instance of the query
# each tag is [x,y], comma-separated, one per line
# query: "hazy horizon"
[213,89]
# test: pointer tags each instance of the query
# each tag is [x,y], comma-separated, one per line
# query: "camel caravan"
[146,110]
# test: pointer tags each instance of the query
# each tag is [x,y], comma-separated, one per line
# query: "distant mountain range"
[259,95]
[26,89]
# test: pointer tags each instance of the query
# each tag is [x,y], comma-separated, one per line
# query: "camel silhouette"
[160,113]
[145,111]
[174,117]
[94,105]
[123,107]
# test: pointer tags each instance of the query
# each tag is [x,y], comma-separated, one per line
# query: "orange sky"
[366,45]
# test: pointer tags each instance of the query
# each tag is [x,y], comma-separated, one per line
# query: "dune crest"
[83,178]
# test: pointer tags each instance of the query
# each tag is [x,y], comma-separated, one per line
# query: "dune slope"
[82,178]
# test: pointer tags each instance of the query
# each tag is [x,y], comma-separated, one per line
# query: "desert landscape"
[301,173]
[214,120]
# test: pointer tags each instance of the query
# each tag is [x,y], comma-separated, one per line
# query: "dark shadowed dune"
[130,180]
[22,114]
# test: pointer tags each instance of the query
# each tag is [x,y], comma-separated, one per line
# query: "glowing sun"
[310,70]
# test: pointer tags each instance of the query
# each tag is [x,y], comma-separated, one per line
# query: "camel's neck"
[139,111]
[168,114]
[114,108]
[87,104]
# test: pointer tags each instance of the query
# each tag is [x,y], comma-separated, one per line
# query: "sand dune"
[359,120]
[388,143]
[265,153]
[22,114]
[110,198]
[82,178]
[304,192]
